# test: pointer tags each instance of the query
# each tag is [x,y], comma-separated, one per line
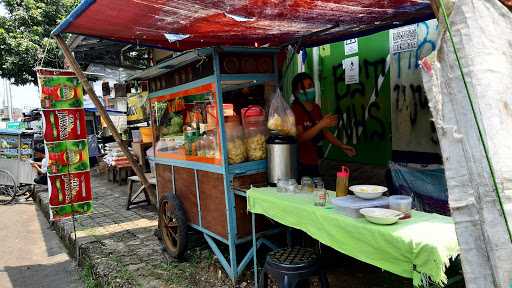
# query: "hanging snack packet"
[280,117]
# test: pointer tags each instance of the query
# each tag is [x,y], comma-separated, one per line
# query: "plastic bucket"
[146,134]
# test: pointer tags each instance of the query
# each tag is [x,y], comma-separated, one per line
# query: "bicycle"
[9,189]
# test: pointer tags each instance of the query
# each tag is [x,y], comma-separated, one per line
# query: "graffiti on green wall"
[363,108]
[388,99]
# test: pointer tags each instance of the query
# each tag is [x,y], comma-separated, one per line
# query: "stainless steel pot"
[282,158]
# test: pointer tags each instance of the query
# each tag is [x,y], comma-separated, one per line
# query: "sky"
[22,96]
[3,12]
[27,97]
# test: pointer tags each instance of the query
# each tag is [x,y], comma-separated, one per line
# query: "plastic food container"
[350,205]
[400,203]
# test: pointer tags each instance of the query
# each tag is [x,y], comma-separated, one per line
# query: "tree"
[25,37]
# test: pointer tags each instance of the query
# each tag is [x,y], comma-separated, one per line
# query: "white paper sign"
[404,39]
[351,66]
[351,46]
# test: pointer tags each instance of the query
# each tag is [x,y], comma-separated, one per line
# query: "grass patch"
[88,277]
[195,271]
[122,276]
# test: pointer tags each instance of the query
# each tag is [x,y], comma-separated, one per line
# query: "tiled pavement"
[120,246]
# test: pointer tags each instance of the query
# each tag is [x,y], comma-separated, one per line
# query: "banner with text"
[65,135]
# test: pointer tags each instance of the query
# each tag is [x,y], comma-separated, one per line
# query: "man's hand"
[328,121]
[34,165]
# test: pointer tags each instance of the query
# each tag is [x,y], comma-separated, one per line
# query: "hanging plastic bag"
[280,116]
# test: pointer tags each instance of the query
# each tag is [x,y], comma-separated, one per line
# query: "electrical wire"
[479,128]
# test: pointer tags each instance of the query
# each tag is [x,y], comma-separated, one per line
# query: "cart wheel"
[8,187]
[172,223]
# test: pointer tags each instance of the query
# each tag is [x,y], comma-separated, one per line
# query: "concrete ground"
[31,254]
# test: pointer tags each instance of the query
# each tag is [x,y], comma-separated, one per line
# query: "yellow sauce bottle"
[342,182]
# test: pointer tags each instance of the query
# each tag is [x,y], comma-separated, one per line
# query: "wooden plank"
[243,219]
[164,179]
[245,181]
[186,192]
[213,202]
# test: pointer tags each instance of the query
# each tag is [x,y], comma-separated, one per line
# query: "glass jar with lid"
[237,152]
[253,119]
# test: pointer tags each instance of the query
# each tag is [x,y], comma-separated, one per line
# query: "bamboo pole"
[110,125]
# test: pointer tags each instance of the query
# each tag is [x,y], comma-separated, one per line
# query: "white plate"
[381,216]
[368,191]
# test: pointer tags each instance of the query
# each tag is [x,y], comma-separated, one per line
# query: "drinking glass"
[291,187]
[321,194]
[281,185]
[307,185]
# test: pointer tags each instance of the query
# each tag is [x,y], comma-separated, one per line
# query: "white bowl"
[368,191]
[381,216]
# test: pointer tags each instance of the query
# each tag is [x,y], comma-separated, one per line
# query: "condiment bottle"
[342,182]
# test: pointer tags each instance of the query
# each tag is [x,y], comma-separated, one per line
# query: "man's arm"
[37,167]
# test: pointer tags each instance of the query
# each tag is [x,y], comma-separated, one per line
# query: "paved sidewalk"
[120,247]
[31,254]
[116,243]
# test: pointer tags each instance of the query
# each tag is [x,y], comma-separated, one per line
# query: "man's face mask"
[308,95]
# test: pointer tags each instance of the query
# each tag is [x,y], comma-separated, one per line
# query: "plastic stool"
[289,266]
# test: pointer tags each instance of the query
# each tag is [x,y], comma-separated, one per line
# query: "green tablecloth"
[419,248]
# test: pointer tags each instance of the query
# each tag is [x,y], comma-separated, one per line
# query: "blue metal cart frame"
[231,265]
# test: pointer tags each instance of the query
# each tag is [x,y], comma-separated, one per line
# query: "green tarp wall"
[365,121]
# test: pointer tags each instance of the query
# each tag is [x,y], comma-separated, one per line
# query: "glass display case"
[187,128]
[15,153]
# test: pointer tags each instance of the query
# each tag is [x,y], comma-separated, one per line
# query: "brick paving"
[120,246]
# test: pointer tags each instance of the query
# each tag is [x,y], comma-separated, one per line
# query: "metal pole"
[9,101]
[230,196]
[254,248]
[110,125]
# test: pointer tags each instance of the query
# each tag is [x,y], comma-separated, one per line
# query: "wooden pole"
[110,125]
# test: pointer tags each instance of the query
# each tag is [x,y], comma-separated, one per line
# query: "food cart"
[15,153]
[196,188]
[199,182]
